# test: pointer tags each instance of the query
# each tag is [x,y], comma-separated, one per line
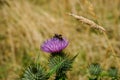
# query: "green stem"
[94,78]
[61,76]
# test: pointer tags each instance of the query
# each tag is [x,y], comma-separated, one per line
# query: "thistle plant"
[113,73]
[55,47]
[97,73]
[59,62]
[35,72]
[94,71]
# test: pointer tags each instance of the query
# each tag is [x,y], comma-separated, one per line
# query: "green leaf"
[95,69]
[61,70]
[113,73]
[34,72]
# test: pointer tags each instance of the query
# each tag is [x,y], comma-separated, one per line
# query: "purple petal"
[54,45]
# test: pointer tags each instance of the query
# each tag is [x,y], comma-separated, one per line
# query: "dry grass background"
[25,24]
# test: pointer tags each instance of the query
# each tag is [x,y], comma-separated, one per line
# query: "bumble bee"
[59,36]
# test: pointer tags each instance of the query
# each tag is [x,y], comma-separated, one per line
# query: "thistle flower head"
[56,44]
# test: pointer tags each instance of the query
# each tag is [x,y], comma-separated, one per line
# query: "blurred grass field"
[25,24]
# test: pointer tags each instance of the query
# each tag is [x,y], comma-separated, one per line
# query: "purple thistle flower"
[55,44]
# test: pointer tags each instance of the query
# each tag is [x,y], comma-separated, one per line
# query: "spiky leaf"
[34,72]
[95,69]
[113,73]
[57,58]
